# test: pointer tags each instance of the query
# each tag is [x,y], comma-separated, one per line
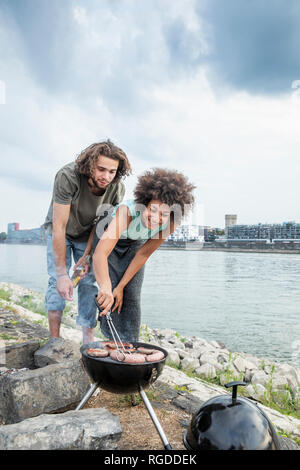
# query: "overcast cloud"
[190,85]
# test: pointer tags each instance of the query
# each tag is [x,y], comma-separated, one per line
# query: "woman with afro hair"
[126,238]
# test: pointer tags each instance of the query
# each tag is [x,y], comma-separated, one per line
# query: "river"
[249,301]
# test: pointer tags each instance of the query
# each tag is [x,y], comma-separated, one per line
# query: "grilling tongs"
[115,335]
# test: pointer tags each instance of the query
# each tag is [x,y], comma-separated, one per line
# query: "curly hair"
[167,186]
[88,158]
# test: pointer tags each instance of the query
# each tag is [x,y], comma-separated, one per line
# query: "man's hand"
[118,295]
[105,300]
[65,287]
[85,264]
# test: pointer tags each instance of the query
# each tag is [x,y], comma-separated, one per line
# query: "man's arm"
[60,219]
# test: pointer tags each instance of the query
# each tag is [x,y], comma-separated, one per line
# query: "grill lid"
[230,423]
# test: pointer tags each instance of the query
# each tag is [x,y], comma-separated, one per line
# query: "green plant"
[182,389]
[5,294]
[7,337]
[33,305]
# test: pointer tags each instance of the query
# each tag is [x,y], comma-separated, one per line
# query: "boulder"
[189,363]
[173,358]
[257,391]
[182,353]
[19,355]
[56,350]
[241,364]
[206,371]
[89,429]
[29,393]
[260,377]
[290,372]
[208,358]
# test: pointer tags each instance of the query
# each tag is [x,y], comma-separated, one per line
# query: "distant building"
[286,230]
[187,233]
[230,219]
[31,236]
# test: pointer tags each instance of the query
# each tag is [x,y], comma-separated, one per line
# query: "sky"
[207,87]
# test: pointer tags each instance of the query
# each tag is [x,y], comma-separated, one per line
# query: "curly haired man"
[80,189]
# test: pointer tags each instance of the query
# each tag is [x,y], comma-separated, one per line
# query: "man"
[80,189]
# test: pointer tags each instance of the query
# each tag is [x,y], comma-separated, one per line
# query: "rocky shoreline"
[197,368]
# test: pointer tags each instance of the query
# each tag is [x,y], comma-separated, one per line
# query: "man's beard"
[95,188]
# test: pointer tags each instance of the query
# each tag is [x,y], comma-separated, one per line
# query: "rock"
[259,377]
[182,353]
[33,392]
[206,371]
[189,363]
[56,350]
[287,444]
[165,333]
[215,344]
[297,400]
[89,429]
[173,358]
[20,355]
[242,364]
[189,344]
[208,358]
[288,371]
[256,391]
[212,360]
[253,360]
[222,358]
[279,382]
[190,404]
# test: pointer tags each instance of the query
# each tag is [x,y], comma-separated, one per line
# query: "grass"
[280,401]
[36,306]
[7,337]
[126,399]
[5,294]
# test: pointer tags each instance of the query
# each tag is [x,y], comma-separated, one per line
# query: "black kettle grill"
[230,423]
[123,378]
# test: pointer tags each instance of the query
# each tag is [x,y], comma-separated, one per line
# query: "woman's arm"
[138,262]
[104,248]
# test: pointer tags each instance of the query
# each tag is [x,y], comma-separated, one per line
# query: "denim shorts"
[87,288]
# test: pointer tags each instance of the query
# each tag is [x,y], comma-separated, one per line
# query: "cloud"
[254,43]
[140,73]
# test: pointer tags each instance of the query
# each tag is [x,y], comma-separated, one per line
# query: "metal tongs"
[115,335]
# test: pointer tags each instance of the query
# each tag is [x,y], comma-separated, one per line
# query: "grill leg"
[88,394]
[155,420]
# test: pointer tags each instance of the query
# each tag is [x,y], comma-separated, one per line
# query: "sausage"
[97,352]
[146,350]
[134,358]
[157,356]
[112,345]
[127,358]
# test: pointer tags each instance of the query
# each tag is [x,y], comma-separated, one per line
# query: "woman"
[135,229]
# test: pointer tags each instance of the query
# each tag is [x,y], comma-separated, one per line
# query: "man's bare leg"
[54,320]
[87,335]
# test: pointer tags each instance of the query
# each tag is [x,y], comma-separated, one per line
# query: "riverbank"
[197,368]
[255,250]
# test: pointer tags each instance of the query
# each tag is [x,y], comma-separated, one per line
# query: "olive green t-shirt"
[70,187]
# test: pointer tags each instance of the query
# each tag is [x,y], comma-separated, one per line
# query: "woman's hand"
[105,300]
[118,295]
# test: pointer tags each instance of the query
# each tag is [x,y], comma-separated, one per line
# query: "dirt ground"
[139,432]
